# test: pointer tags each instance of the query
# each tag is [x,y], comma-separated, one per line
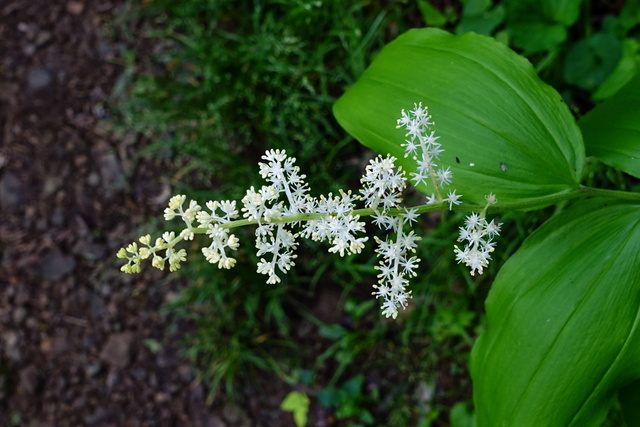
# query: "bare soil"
[73,329]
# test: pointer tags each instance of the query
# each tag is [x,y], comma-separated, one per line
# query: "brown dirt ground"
[72,327]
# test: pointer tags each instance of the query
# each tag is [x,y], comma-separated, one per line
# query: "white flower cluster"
[478,236]
[209,223]
[274,208]
[382,187]
[283,210]
[423,146]
[397,263]
[338,225]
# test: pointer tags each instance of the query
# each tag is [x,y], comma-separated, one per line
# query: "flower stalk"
[284,210]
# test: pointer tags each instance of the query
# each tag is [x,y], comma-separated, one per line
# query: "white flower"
[452,199]
[382,221]
[409,216]
[220,240]
[175,258]
[432,199]
[478,236]
[176,202]
[444,177]
[169,214]
[228,208]
[187,234]
[190,214]
[255,202]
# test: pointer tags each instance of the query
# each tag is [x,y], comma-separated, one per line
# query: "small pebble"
[92,369]
[11,191]
[39,79]
[19,315]
[75,7]
[161,397]
[93,179]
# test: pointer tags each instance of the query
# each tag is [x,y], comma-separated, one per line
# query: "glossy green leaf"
[612,129]
[563,322]
[503,129]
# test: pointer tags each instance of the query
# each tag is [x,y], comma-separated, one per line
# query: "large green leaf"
[562,322]
[612,129]
[510,132]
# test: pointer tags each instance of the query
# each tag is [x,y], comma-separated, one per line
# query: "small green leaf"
[612,129]
[562,322]
[591,60]
[629,15]
[298,403]
[625,70]
[503,130]
[479,16]
[153,345]
[431,16]
[462,415]
[534,37]
[538,25]
[328,397]
[333,332]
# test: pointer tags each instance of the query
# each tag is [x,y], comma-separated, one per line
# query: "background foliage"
[226,79]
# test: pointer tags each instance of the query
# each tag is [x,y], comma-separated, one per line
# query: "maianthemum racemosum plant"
[284,210]
[562,340]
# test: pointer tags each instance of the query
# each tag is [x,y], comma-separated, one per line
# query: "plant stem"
[531,204]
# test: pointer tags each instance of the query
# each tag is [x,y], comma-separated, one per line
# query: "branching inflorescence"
[284,210]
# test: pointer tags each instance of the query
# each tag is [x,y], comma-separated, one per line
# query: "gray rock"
[117,350]
[56,265]
[112,174]
[11,348]
[39,79]
[28,379]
